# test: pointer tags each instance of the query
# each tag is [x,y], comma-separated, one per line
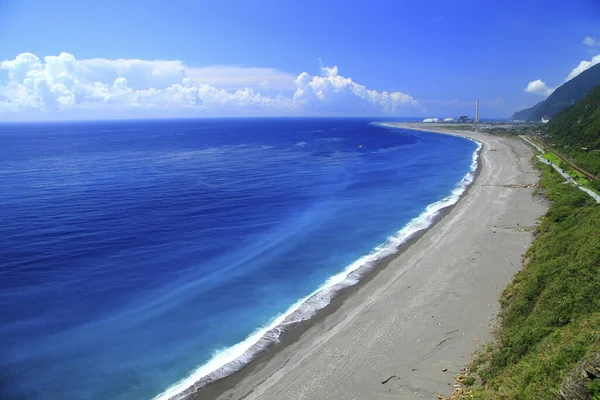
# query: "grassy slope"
[550,316]
[578,177]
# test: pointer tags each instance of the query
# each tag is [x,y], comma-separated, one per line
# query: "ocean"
[138,257]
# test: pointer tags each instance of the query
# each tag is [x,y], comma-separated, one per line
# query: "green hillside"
[548,346]
[570,92]
[576,132]
[550,315]
[564,96]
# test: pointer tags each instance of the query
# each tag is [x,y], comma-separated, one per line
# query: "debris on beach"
[521,185]
[394,377]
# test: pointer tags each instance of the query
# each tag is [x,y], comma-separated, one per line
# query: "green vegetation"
[564,96]
[550,318]
[577,176]
[576,131]
[495,128]
[595,389]
[553,158]
[456,127]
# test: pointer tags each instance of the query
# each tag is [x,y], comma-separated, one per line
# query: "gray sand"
[429,309]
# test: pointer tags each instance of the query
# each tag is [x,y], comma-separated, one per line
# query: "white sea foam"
[229,360]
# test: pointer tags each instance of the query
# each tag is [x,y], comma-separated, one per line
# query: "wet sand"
[423,310]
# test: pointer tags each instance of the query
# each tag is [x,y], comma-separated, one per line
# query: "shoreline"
[212,385]
[217,388]
[261,374]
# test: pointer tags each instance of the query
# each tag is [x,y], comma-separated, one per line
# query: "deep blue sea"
[137,257]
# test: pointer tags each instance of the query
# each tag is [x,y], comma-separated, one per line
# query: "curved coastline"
[411,326]
[323,300]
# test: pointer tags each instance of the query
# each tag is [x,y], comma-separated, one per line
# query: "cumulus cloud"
[539,87]
[582,67]
[64,83]
[589,41]
[333,92]
[235,77]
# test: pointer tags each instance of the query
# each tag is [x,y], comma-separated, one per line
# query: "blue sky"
[67,59]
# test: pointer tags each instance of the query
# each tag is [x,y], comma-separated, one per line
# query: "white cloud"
[235,77]
[589,41]
[333,92]
[539,87]
[159,74]
[64,84]
[582,67]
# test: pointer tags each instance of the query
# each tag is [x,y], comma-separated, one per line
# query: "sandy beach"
[406,330]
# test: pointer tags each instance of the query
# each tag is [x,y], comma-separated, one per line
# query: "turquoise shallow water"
[137,253]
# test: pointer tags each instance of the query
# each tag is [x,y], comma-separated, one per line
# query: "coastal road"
[405,333]
[567,177]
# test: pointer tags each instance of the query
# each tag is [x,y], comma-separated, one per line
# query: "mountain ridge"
[564,96]
[526,113]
